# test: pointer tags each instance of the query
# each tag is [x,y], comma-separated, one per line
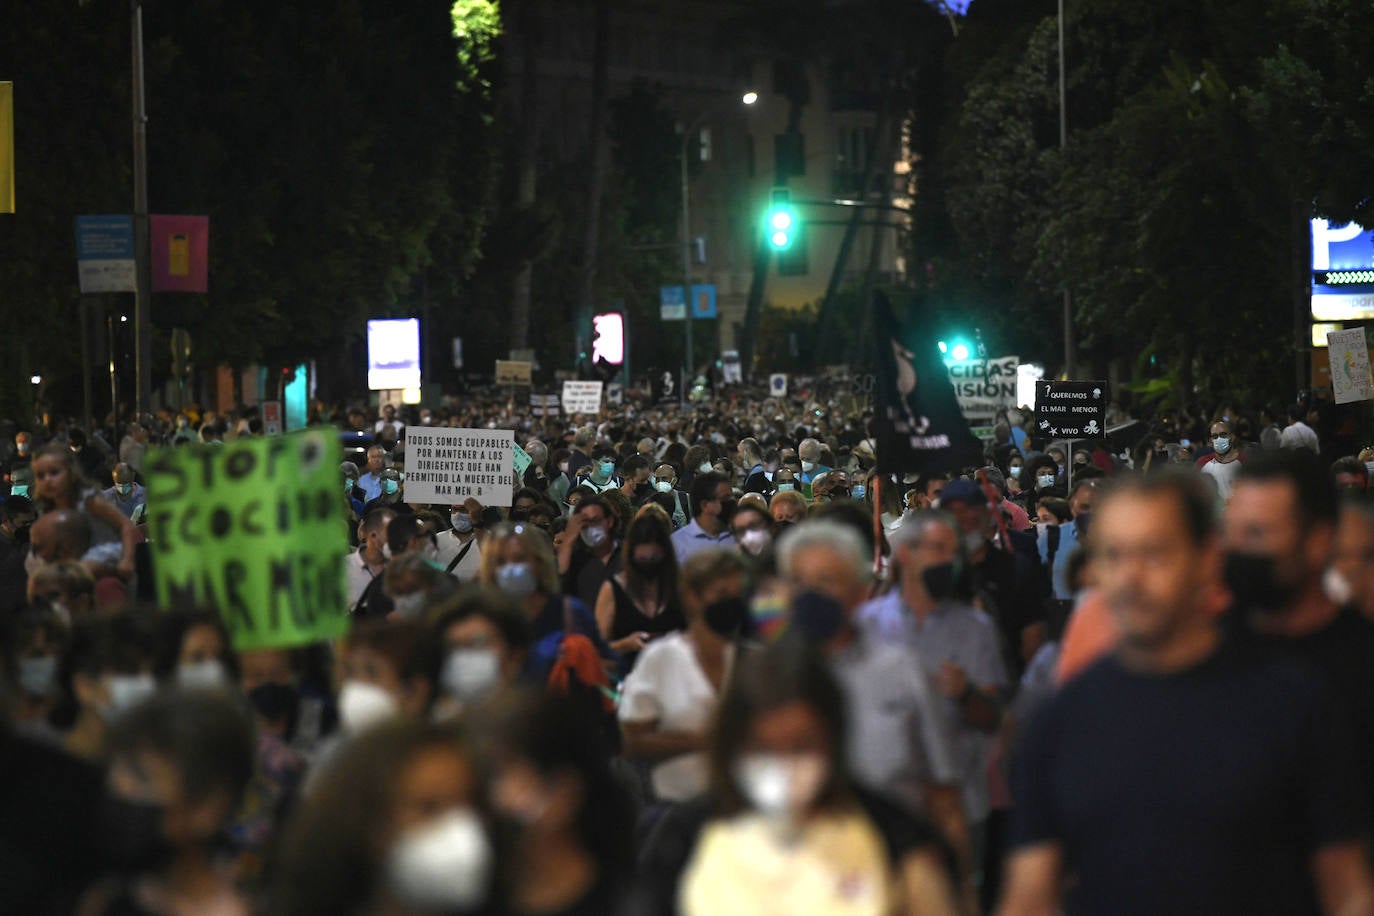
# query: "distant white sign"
[446,466]
[581,397]
[393,353]
[1350,379]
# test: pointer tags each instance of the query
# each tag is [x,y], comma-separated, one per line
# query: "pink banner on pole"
[180,249]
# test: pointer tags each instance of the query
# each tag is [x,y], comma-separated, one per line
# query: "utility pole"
[1063,142]
[143,327]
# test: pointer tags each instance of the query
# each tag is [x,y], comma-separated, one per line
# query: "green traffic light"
[781,221]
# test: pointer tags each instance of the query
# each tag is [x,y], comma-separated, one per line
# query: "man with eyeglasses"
[1224,463]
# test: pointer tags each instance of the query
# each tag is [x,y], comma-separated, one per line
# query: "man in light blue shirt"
[371,481]
[1057,544]
[713,505]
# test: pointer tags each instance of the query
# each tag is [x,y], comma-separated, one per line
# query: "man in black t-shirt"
[1183,774]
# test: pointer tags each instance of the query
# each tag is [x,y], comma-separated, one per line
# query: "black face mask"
[132,838]
[649,569]
[726,617]
[1254,583]
[816,617]
[939,580]
[276,703]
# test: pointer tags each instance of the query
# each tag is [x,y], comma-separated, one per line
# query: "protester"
[640,602]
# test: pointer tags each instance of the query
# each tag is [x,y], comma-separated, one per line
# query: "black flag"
[920,427]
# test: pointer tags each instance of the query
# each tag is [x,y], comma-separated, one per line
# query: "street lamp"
[748,98]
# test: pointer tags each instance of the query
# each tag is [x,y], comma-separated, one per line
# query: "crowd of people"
[712,660]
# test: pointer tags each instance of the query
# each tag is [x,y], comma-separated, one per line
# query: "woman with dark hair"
[795,835]
[640,601]
[194,651]
[571,853]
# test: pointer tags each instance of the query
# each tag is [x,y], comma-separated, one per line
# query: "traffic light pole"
[688,375]
[143,328]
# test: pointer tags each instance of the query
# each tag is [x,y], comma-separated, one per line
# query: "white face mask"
[470,674]
[444,864]
[755,541]
[461,522]
[206,674]
[781,785]
[704,467]
[664,486]
[363,705]
[1044,481]
[127,691]
[409,607]
[808,467]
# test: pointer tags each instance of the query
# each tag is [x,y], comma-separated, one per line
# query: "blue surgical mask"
[664,486]
[705,467]
[517,580]
[348,485]
[390,486]
[1015,470]
[607,468]
[461,522]
[36,675]
[1222,444]
[784,487]
[858,491]
[1044,481]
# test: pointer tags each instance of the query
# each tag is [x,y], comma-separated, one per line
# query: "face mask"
[22,448]
[208,674]
[649,569]
[817,618]
[470,674]
[704,467]
[974,542]
[348,486]
[1044,481]
[724,618]
[1253,581]
[409,607]
[663,486]
[594,537]
[755,541]
[276,702]
[516,580]
[389,486]
[1221,444]
[363,705]
[36,675]
[126,692]
[20,490]
[939,580]
[461,522]
[1015,470]
[1369,467]
[443,865]
[131,835]
[125,489]
[780,785]
[857,492]
[808,467]
[785,486]
[607,469]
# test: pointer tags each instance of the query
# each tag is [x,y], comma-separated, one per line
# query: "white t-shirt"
[450,546]
[359,577]
[667,685]
[1224,474]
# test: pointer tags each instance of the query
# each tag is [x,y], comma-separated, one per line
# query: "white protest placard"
[581,397]
[1350,379]
[777,385]
[446,466]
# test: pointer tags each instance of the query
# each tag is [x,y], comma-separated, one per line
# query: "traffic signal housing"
[781,224]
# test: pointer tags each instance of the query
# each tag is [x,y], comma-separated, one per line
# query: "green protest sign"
[522,460]
[254,528]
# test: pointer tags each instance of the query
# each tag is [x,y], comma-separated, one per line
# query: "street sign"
[670,304]
[777,385]
[1071,410]
[510,372]
[665,388]
[703,300]
[271,418]
[105,253]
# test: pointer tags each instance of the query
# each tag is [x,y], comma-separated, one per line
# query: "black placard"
[1071,410]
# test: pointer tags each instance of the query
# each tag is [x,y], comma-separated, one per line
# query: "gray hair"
[584,437]
[834,536]
[915,523]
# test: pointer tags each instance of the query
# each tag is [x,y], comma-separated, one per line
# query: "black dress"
[630,619]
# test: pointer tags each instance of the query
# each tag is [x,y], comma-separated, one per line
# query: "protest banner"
[447,466]
[254,528]
[581,397]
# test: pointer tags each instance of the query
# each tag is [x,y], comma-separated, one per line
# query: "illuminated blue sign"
[1345,246]
[1342,272]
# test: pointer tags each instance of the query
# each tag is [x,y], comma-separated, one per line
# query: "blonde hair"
[789,496]
[537,546]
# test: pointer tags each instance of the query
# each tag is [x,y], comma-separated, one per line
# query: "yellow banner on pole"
[6,147]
